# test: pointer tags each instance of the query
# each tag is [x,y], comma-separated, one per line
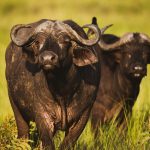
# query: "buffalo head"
[131,51]
[52,44]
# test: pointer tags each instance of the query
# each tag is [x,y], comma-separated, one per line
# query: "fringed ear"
[20,34]
[83,57]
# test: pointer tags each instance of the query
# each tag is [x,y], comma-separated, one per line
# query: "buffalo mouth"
[48,60]
[48,67]
[138,74]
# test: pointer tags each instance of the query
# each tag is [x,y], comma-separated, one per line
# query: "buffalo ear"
[20,34]
[83,57]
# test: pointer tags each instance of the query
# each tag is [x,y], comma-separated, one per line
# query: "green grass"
[5,108]
[8,136]
[129,15]
[135,137]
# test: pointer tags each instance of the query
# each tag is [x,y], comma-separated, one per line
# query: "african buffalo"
[122,69]
[52,72]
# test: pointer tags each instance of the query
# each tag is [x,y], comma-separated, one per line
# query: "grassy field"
[129,15]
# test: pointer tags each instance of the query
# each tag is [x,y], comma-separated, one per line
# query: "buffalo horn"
[144,37]
[128,37]
[78,38]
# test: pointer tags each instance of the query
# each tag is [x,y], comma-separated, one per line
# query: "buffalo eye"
[64,41]
[37,43]
[67,39]
[129,55]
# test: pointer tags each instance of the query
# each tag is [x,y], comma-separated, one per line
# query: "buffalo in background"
[122,69]
[52,73]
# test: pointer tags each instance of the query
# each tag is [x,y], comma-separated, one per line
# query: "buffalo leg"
[45,127]
[97,118]
[22,125]
[75,131]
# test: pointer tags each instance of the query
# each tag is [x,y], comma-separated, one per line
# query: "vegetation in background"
[127,16]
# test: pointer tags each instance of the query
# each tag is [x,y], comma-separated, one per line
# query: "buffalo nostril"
[53,58]
[49,59]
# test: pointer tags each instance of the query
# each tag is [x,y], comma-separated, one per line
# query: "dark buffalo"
[52,72]
[122,69]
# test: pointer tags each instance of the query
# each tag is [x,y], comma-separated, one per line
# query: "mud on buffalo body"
[52,71]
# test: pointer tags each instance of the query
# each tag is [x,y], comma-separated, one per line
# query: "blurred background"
[127,16]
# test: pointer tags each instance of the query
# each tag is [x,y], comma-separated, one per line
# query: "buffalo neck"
[116,83]
[63,81]
[128,87]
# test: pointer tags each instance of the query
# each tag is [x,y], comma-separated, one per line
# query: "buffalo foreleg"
[22,125]
[45,127]
[75,131]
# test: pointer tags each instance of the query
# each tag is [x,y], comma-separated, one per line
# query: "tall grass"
[135,137]
[8,136]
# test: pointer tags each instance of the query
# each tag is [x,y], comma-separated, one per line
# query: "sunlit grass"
[135,137]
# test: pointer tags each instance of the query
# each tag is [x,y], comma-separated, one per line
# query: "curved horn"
[45,26]
[77,37]
[61,26]
[128,37]
[145,37]
[20,34]
[105,28]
